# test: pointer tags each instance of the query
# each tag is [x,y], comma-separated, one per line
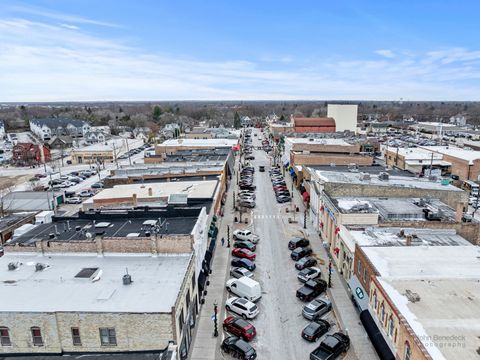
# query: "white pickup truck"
[245,235]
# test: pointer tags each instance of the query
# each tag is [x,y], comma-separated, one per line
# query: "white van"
[245,287]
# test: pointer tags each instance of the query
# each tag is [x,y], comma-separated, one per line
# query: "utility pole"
[128,152]
[115,154]
[305,219]
[234,200]
[431,165]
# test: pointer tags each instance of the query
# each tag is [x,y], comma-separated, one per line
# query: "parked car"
[238,272]
[331,347]
[245,288]
[244,245]
[69,194]
[239,327]
[311,289]
[238,348]
[243,253]
[85,193]
[243,263]
[243,307]
[305,262]
[301,252]
[97,185]
[247,203]
[246,235]
[308,274]
[315,330]
[297,242]
[73,200]
[261,168]
[316,308]
[40,176]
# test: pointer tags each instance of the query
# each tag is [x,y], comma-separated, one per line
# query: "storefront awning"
[376,337]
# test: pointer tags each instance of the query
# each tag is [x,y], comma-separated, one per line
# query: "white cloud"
[71,27]
[67,18]
[44,62]
[386,53]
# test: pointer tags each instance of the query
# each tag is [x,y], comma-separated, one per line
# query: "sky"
[90,50]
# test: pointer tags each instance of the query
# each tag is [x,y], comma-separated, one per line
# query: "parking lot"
[280,322]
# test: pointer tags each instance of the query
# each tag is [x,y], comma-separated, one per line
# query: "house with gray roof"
[46,128]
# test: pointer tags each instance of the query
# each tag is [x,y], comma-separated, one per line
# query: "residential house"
[27,154]
[46,128]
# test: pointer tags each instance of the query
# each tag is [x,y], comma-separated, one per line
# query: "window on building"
[193,280]
[407,351]
[391,327]
[108,337]
[364,274]
[382,313]
[359,268]
[375,300]
[76,336]
[5,337]
[37,336]
[181,320]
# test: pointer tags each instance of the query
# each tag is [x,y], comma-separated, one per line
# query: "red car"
[239,327]
[243,253]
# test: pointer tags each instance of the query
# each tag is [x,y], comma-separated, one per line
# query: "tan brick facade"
[327,159]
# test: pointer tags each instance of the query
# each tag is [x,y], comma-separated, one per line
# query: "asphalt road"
[280,321]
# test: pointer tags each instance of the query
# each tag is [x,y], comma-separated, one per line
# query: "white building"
[2,129]
[345,116]
[46,128]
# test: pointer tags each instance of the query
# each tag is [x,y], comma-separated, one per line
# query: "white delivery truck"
[245,287]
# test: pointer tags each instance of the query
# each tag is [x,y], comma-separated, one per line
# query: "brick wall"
[134,332]
[324,148]
[165,244]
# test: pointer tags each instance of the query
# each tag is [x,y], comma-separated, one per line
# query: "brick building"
[418,299]
[27,154]
[313,125]
[70,295]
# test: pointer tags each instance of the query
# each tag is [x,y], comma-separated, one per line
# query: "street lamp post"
[330,274]
[215,322]
[228,236]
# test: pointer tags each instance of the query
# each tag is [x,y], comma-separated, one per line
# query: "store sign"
[359,293]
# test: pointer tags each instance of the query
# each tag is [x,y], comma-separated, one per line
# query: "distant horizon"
[190,50]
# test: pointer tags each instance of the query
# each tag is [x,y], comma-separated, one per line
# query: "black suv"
[238,348]
[300,252]
[311,289]
[297,242]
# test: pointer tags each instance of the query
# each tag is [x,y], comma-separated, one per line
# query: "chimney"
[408,240]
[134,200]
[150,191]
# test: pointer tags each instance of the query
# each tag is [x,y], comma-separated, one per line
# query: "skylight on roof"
[103,224]
[86,273]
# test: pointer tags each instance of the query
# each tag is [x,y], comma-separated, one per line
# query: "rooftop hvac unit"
[127,279]
[364,176]
[40,266]
[383,176]
[12,266]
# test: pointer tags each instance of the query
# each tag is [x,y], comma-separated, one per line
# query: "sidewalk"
[204,345]
[347,315]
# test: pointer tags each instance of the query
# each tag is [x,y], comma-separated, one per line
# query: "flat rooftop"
[113,223]
[156,283]
[373,170]
[446,279]
[200,142]
[355,178]
[380,236]
[416,153]
[469,155]
[11,219]
[163,169]
[193,189]
[317,141]
[394,209]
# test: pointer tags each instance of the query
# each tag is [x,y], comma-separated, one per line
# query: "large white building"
[46,128]
[345,116]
